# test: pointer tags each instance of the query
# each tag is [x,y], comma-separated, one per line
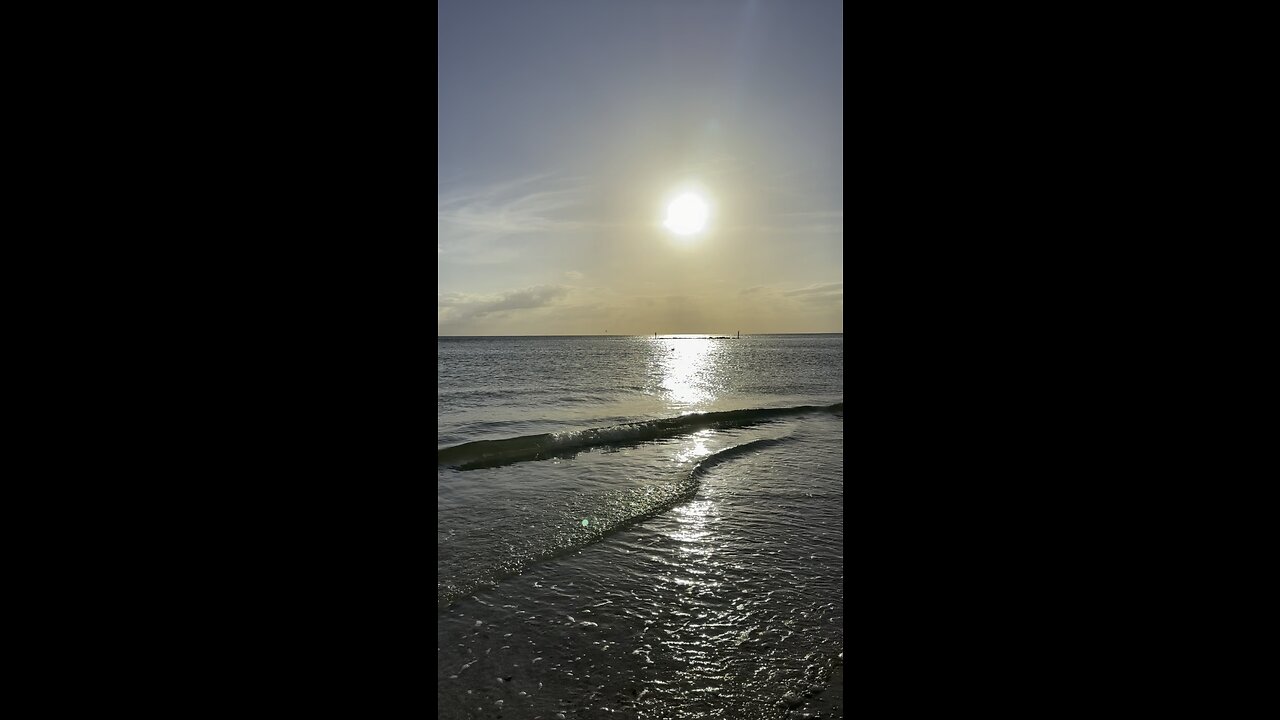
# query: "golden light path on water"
[696,449]
[690,374]
[689,369]
[691,382]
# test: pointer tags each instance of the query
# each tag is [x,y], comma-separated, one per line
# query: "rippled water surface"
[640,527]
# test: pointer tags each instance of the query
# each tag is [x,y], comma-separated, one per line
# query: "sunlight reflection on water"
[690,369]
[696,449]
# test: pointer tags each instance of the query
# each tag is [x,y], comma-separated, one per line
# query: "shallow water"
[607,555]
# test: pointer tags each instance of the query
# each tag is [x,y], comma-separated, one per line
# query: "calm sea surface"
[639,527]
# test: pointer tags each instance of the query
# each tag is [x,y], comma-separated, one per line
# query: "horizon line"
[660,335]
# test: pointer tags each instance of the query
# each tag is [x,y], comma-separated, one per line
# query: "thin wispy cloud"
[527,205]
[819,292]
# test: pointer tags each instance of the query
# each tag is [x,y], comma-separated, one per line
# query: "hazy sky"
[567,126]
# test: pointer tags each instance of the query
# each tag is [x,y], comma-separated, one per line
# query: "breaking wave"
[490,453]
[611,512]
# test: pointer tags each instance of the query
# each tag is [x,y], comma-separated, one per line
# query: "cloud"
[821,291]
[573,275]
[832,291]
[588,310]
[457,307]
[531,204]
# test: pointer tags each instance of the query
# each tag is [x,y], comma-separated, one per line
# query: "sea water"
[646,527]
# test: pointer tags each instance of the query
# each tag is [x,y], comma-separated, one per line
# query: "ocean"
[640,527]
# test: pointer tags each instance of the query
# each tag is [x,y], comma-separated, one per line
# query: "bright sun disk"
[686,214]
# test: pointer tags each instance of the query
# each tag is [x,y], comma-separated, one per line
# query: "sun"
[686,214]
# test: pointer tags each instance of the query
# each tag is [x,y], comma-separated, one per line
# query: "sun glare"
[686,214]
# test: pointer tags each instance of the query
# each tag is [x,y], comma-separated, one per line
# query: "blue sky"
[567,126]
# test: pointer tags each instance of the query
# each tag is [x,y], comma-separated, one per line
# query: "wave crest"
[491,453]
